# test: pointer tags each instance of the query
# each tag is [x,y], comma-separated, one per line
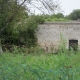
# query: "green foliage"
[10,14]
[74,15]
[40,67]
[62,45]
[57,20]
[19,28]
[58,15]
[39,18]
[46,16]
[23,33]
[15,26]
[27,34]
[23,50]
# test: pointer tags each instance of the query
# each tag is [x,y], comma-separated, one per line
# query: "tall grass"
[40,67]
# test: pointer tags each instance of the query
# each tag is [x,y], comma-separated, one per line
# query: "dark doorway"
[73,44]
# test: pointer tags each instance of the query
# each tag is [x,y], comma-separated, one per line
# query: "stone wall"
[50,34]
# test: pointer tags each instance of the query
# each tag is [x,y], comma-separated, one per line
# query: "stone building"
[52,34]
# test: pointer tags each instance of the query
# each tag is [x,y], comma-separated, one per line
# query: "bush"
[22,33]
[38,18]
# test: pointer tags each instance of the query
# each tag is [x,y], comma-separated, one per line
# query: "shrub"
[23,33]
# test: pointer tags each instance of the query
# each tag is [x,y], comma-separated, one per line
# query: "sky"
[67,6]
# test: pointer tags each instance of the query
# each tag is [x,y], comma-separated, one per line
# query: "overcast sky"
[69,5]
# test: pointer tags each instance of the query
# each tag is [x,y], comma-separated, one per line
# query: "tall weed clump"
[62,45]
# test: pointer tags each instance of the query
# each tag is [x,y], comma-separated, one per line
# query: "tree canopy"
[58,15]
[74,15]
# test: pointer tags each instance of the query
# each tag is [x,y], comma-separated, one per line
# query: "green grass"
[40,67]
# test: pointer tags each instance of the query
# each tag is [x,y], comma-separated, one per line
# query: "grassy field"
[65,66]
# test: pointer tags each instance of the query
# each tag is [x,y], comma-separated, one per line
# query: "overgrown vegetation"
[65,66]
[59,17]
[23,61]
[74,15]
[32,63]
[22,33]
[16,26]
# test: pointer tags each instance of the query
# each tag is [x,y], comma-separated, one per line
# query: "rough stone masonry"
[50,34]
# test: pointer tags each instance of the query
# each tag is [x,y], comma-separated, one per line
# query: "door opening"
[73,44]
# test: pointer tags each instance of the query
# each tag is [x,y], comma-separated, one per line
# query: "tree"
[58,15]
[11,12]
[74,15]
